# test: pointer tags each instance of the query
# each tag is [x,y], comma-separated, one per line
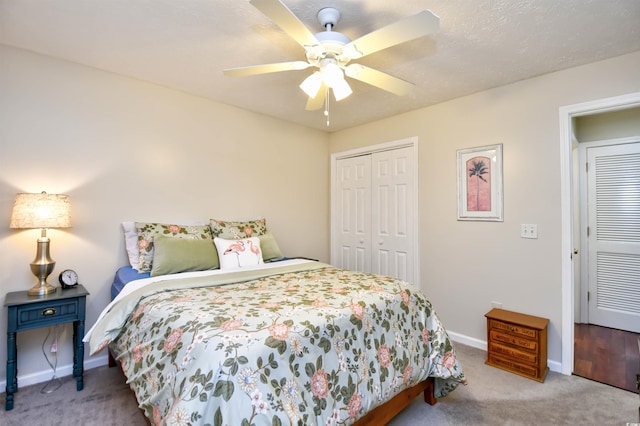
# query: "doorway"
[568,143]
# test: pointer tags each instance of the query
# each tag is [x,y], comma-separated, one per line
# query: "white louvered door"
[613,188]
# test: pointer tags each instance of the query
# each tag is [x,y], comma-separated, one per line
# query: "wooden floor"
[606,355]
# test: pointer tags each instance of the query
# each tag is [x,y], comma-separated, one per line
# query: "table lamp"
[41,211]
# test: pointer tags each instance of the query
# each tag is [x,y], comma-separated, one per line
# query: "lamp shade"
[41,211]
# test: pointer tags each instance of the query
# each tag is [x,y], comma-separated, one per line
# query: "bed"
[287,342]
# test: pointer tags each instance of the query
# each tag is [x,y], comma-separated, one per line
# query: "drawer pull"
[48,311]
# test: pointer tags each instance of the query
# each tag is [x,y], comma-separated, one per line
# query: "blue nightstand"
[29,312]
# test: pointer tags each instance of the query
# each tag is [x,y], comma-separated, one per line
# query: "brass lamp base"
[41,290]
[41,267]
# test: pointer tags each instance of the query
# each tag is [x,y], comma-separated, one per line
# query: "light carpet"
[492,397]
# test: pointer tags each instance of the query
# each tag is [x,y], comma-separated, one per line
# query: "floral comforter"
[304,344]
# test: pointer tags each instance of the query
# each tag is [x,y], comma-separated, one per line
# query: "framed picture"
[480,183]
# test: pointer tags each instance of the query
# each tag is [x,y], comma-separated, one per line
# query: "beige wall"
[467,265]
[124,149]
[610,125]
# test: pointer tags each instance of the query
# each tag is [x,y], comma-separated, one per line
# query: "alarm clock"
[68,278]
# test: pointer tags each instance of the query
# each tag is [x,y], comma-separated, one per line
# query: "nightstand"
[29,312]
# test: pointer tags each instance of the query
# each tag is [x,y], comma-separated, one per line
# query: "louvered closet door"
[613,186]
[354,213]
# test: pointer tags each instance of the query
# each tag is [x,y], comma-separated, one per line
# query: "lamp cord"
[54,378]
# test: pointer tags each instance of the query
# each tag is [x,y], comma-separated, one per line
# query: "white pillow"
[234,254]
[131,243]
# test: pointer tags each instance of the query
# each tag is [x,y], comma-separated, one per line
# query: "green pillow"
[173,255]
[269,247]
[147,231]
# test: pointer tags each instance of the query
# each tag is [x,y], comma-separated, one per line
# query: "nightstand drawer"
[512,340]
[514,329]
[51,312]
[530,357]
[514,366]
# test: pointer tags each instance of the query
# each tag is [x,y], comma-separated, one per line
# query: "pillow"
[173,255]
[235,230]
[270,249]
[147,232]
[234,254]
[131,243]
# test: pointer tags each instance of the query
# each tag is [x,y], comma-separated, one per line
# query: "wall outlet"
[529,231]
[496,305]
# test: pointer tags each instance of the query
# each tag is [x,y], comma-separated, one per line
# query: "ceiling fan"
[331,52]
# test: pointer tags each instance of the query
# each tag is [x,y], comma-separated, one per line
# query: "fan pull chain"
[326,106]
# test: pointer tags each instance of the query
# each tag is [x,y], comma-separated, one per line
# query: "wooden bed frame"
[384,413]
[378,416]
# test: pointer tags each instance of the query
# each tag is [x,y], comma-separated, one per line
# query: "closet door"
[392,213]
[375,214]
[353,233]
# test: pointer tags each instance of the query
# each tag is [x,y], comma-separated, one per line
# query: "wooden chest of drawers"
[517,343]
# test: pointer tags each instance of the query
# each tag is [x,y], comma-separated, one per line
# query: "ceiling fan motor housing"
[328,16]
[331,41]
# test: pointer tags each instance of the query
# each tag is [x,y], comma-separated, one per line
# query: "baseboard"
[61,371]
[469,341]
[482,344]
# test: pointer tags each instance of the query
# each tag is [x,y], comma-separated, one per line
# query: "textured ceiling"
[186,45]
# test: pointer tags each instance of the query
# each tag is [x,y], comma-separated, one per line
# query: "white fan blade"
[318,101]
[410,28]
[267,68]
[378,79]
[285,19]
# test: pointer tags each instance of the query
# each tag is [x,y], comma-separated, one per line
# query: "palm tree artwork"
[479,184]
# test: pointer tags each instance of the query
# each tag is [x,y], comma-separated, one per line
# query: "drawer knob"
[48,311]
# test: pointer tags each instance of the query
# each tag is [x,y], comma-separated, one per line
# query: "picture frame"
[480,184]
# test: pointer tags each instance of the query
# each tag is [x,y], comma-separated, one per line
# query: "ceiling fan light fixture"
[311,85]
[331,73]
[341,90]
